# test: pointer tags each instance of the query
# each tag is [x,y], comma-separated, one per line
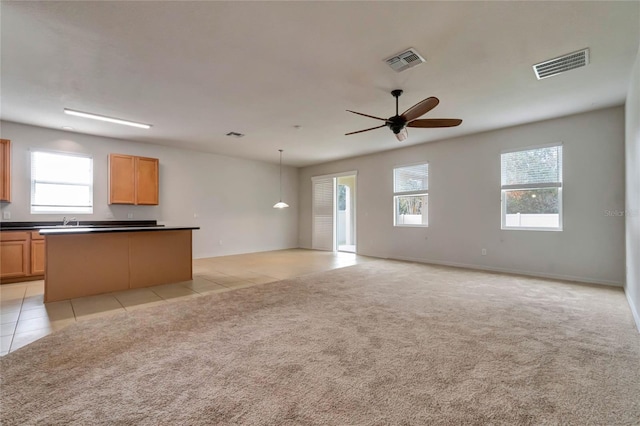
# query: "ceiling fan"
[410,118]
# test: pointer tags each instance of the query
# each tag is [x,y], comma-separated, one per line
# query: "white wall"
[464,201]
[232,198]
[632,212]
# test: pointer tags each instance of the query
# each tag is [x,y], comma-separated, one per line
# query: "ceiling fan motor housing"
[396,124]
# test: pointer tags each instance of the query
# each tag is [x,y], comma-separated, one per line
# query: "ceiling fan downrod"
[396,94]
[396,123]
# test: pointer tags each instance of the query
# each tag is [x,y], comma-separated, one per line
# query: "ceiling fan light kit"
[410,118]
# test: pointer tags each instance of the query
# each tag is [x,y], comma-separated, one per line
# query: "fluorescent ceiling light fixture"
[105,118]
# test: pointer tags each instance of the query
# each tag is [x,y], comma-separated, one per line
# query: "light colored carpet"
[379,343]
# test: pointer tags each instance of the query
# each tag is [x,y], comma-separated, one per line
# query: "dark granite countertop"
[32,226]
[75,230]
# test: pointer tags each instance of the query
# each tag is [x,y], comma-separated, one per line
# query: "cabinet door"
[121,179]
[146,181]
[37,257]
[5,170]
[14,254]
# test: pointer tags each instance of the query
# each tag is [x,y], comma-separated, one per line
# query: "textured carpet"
[379,343]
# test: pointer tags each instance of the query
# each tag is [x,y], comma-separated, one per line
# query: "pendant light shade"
[280,204]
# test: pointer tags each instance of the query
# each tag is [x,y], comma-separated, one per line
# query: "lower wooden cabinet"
[21,256]
[37,254]
[14,254]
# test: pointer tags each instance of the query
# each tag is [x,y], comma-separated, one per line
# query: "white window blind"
[61,183]
[411,178]
[411,195]
[323,208]
[540,167]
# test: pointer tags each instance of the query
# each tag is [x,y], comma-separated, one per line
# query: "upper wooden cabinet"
[146,181]
[122,180]
[133,180]
[5,170]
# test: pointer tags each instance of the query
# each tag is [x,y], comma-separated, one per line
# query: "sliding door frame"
[316,240]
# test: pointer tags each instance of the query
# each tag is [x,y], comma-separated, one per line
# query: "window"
[410,195]
[61,183]
[532,189]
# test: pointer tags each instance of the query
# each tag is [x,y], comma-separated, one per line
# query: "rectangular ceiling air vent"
[405,60]
[561,64]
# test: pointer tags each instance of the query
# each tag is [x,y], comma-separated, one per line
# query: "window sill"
[522,228]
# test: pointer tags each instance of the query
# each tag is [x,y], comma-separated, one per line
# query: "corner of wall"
[632,192]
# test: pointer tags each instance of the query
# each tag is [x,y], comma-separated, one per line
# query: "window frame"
[57,209]
[416,193]
[523,187]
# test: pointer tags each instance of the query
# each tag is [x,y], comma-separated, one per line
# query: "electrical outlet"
[220,242]
[129,215]
[484,252]
[6,215]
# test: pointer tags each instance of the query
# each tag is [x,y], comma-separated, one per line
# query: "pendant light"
[280,204]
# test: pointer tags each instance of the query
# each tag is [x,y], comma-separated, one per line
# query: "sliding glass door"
[334,212]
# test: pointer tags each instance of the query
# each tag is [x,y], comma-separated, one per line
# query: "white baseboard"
[514,271]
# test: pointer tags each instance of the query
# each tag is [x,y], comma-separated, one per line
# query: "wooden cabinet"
[37,253]
[122,180]
[133,180]
[5,170]
[14,254]
[146,181]
[21,256]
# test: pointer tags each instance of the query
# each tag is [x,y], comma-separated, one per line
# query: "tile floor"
[25,318]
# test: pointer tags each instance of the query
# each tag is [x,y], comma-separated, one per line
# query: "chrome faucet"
[66,221]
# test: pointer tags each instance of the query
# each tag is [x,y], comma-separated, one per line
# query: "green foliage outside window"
[411,204]
[342,197]
[534,201]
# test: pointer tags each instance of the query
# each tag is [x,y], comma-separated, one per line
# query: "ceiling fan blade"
[435,122]
[365,130]
[420,109]
[366,115]
[402,135]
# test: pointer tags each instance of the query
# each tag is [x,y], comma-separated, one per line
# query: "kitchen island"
[85,261]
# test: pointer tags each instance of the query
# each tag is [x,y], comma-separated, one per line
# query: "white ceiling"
[198,70]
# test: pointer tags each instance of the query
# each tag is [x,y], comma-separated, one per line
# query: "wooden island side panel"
[90,264]
[85,264]
[160,258]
